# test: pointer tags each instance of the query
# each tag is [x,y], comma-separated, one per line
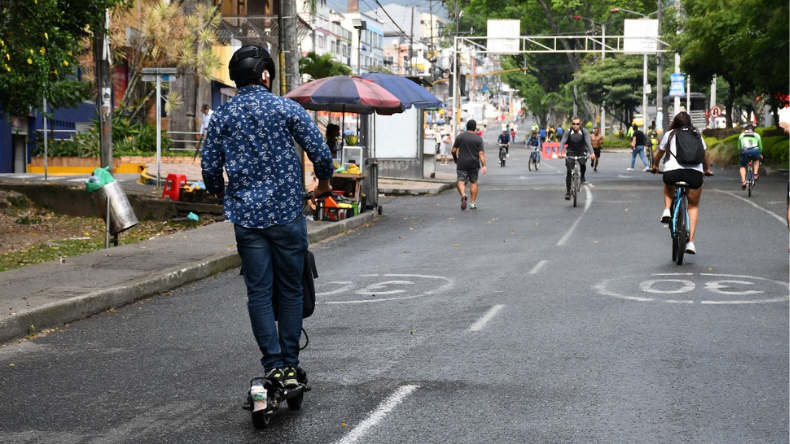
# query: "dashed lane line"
[477,326]
[538,266]
[378,415]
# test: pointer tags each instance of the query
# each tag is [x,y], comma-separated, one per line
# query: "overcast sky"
[367,5]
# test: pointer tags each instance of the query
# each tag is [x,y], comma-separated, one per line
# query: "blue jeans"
[640,149]
[272,257]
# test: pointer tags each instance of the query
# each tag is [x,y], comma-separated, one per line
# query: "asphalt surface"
[526,320]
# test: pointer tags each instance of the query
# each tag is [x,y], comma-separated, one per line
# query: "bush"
[128,139]
[776,150]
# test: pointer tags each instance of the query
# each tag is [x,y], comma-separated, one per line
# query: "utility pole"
[456,87]
[660,80]
[292,55]
[411,43]
[101,51]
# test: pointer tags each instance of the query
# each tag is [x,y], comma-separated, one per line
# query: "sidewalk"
[46,295]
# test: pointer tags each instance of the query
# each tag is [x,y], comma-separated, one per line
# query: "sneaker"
[629,169]
[595,169]
[463,202]
[690,248]
[276,376]
[567,196]
[508,155]
[743,185]
[584,181]
[472,206]
[756,178]
[290,380]
[646,169]
[666,217]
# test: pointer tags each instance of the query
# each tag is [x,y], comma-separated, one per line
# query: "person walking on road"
[252,138]
[637,147]
[578,140]
[470,159]
[596,140]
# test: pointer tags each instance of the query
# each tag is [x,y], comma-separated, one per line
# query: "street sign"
[152,77]
[678,86]
[715,111]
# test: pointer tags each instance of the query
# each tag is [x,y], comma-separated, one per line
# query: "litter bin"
[122,215]
[108,193]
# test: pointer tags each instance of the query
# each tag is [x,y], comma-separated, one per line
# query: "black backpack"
[689,146]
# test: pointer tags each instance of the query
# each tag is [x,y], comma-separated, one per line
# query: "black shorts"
[597,152]
[691,177]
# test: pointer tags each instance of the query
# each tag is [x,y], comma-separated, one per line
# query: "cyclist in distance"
[750,147]
[533,141]
[578,141]
[504,139]
[675,172]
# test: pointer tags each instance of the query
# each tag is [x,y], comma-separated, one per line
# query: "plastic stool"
[173,186]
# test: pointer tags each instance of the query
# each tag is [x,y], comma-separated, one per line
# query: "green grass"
[53,249]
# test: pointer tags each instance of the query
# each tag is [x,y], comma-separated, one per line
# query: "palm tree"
[318,67]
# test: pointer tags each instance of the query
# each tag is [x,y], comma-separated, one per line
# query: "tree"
[39,44]
[547,17]
[615,81]
[168,37]
[745,42]
[318,67]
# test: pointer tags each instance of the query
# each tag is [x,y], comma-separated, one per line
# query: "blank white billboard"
[503,36]
[640,36]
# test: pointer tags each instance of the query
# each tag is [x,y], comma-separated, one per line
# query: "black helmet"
[749,127]
[248,64]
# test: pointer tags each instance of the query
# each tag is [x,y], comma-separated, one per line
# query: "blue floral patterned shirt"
[252,137]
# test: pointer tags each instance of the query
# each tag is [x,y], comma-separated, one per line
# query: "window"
[320,41]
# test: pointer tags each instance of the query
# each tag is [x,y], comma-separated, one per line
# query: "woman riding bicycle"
[675,172]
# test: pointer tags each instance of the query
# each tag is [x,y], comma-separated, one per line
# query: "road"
[526,320]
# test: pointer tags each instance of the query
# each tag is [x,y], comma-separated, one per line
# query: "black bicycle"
[576,176]
[679,224]
[502,154]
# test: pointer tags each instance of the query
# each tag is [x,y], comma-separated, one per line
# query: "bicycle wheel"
[681,231]
[531,161]
[575,187]
[749,180]
[673,232]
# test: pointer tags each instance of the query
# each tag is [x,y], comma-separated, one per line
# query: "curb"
[415,192]
[79,307]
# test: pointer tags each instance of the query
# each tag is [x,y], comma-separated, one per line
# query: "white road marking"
[377,415]
[780,219]
[348,285]
[477,326]
[538,266]
[587,204]
[723,287]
